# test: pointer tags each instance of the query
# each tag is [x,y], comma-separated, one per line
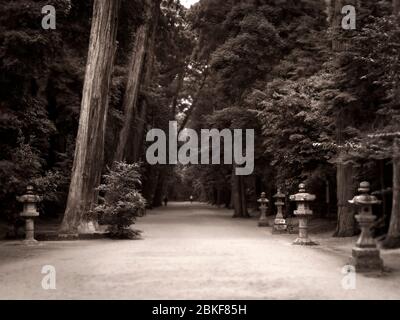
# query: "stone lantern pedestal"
[280,225]
[29,212]
[366,255]
[303,212]
[263,221]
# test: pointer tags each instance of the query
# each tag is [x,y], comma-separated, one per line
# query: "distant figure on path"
[165,201]
[191,199]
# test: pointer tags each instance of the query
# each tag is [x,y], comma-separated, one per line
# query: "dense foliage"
[269,65]
[122,201]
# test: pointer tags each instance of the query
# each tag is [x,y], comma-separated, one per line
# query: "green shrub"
[121,202]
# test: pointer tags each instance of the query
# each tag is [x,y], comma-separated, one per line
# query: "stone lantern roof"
[263,198]
[29,200]
[279,195]
[302,196]
[364,198]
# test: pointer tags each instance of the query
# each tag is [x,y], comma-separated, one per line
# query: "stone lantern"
[303,212]
[29,212]
[366,256]
[263,222]
[280,225]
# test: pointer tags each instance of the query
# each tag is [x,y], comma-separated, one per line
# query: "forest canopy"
[323,101]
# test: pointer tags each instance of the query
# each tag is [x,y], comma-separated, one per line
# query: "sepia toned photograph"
[199,155]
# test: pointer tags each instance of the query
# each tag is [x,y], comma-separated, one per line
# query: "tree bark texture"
[89,149]
[238,196]
[141,115]
[393,237]
[344,174]
[345,191]
[124,148]
[137,80]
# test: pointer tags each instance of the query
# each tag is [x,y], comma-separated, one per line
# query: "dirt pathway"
[188,252]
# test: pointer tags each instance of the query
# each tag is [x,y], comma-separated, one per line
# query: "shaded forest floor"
[193,252]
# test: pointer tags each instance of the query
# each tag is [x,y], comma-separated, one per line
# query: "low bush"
[121,201]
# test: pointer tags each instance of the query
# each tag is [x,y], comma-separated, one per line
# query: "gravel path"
[189,252]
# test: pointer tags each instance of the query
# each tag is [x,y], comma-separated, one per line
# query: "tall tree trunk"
[238,196]
[345,215]
[138,76]
[393,237]
[383,187]
[179,85]
[227,196]
[89,149]
[243,197]
[124,148]
[140,126]
[344,174]
[158,192]
[141,115]
[346,225]
[219,197]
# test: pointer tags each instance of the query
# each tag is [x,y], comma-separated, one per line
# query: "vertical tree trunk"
[393,237]
[383,187]
[238,196]
[344,174]
[179,85]
[158,192]
[327,197]
[88,160]
[243,197]
[140,126]
[124,148]
[345,216]
[141,115]
[137,76]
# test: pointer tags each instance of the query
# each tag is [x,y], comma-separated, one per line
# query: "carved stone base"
[263,223]
[367,260]
[30,242]
[304,242]
[279,227]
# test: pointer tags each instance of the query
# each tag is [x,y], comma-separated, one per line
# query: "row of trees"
[141,93]
[322,100]
[61,138]
[319,97]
